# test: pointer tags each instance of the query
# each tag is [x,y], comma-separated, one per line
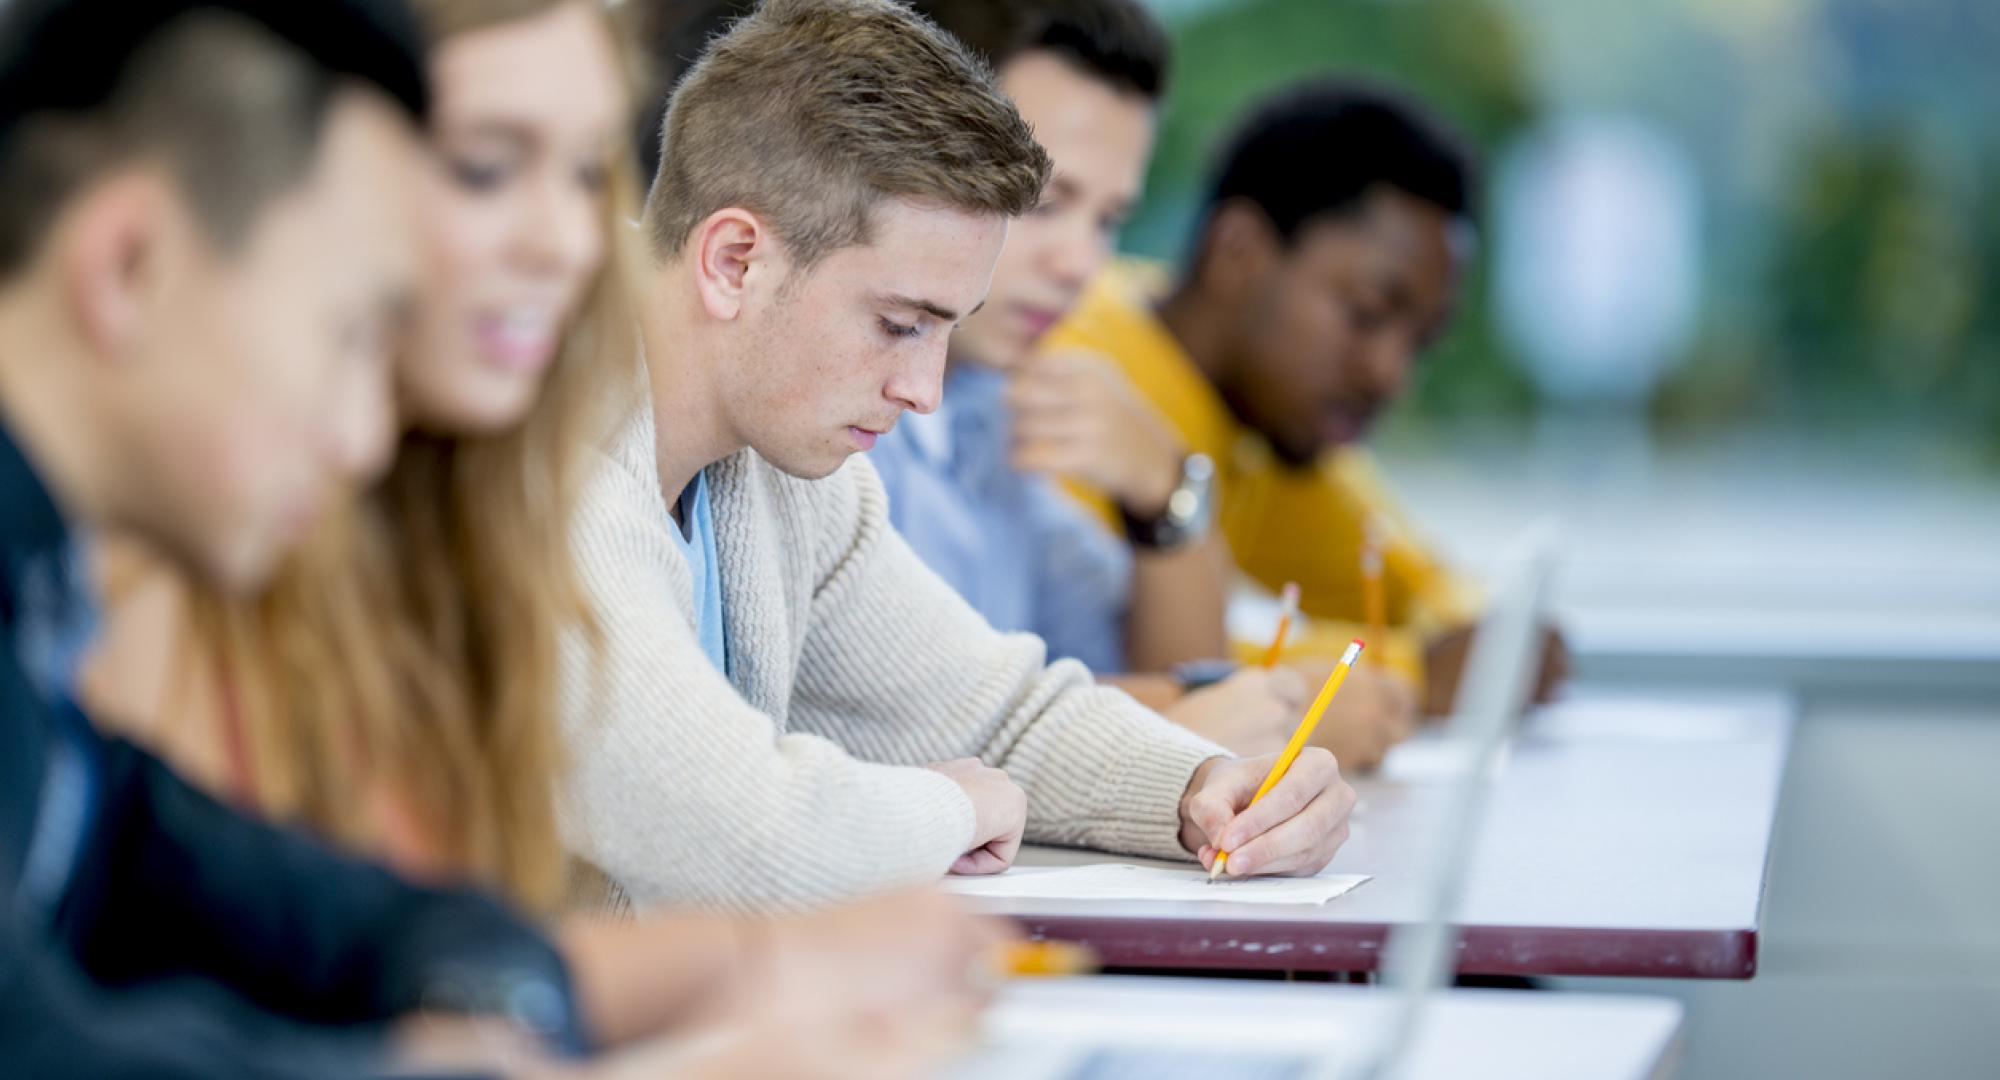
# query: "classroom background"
[1735,322]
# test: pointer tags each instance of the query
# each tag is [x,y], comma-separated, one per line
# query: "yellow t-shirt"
[1282,524]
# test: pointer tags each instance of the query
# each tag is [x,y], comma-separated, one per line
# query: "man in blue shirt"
[1008,541]
[971,486]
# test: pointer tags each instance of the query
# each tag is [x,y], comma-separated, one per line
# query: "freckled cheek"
[791,389]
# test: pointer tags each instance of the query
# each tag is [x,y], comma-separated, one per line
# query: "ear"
[1238,249]
[115,247]
[733,251]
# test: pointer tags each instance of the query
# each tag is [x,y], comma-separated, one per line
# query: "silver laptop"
[1081,1034]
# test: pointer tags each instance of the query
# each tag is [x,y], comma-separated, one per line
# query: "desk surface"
[1625,835]
[1494,1035]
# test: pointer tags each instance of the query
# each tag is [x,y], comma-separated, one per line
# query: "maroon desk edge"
[1271,945]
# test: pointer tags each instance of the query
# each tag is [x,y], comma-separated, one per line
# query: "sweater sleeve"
[683,792]
[899,669]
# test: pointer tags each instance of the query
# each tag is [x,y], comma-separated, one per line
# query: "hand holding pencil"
[1283,813]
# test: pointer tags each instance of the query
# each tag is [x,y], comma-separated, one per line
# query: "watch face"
[1186,515]
[1188,505]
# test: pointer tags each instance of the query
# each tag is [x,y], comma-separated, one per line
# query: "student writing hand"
[1077,416]
[1001,813]
[1293,830]
[1375,710]
[1250,712]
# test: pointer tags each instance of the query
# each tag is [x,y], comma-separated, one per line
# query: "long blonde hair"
[415,641]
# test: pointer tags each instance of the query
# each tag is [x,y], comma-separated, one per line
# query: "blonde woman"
[392,689]
[396,689]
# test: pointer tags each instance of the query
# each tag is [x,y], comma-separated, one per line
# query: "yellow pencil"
[1374,604]
[1285,617]
[1043,959]
[1299,737]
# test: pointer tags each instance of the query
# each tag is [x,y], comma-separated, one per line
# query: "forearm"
[1179,606]
[1101,772]
[898,668]
[757,826]
[640,978]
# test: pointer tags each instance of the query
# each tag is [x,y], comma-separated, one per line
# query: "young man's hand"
[1293,831]
[1078,417]
[1001,813]
[1375,709]
[1250,712]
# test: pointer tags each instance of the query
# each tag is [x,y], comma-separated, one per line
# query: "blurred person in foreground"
[201,211]
[202,267]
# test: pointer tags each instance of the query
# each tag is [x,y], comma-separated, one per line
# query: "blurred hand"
[1444,666]
[1375,709]
[896,951]
[1251,712]
[1292,831]
[1076,416]
[833,1042]
[1001,810]
[888,987]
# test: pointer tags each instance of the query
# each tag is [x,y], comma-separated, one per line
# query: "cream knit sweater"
[796,780]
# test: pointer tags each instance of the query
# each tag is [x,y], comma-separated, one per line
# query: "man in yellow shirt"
[1328,259]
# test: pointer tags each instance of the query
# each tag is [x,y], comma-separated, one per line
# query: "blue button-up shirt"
[1013,545]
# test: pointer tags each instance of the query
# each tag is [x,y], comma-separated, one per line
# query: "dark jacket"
[146,930]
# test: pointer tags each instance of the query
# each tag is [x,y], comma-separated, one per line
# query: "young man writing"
[1327,261]
[794,708]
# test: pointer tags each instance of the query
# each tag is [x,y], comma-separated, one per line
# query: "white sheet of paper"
[1124,881]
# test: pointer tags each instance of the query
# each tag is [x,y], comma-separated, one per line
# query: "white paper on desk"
[1124,881]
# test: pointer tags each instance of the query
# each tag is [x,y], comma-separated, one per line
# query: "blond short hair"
[811,112]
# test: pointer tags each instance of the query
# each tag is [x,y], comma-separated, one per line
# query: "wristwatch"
[1195,675]
[1189,510]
